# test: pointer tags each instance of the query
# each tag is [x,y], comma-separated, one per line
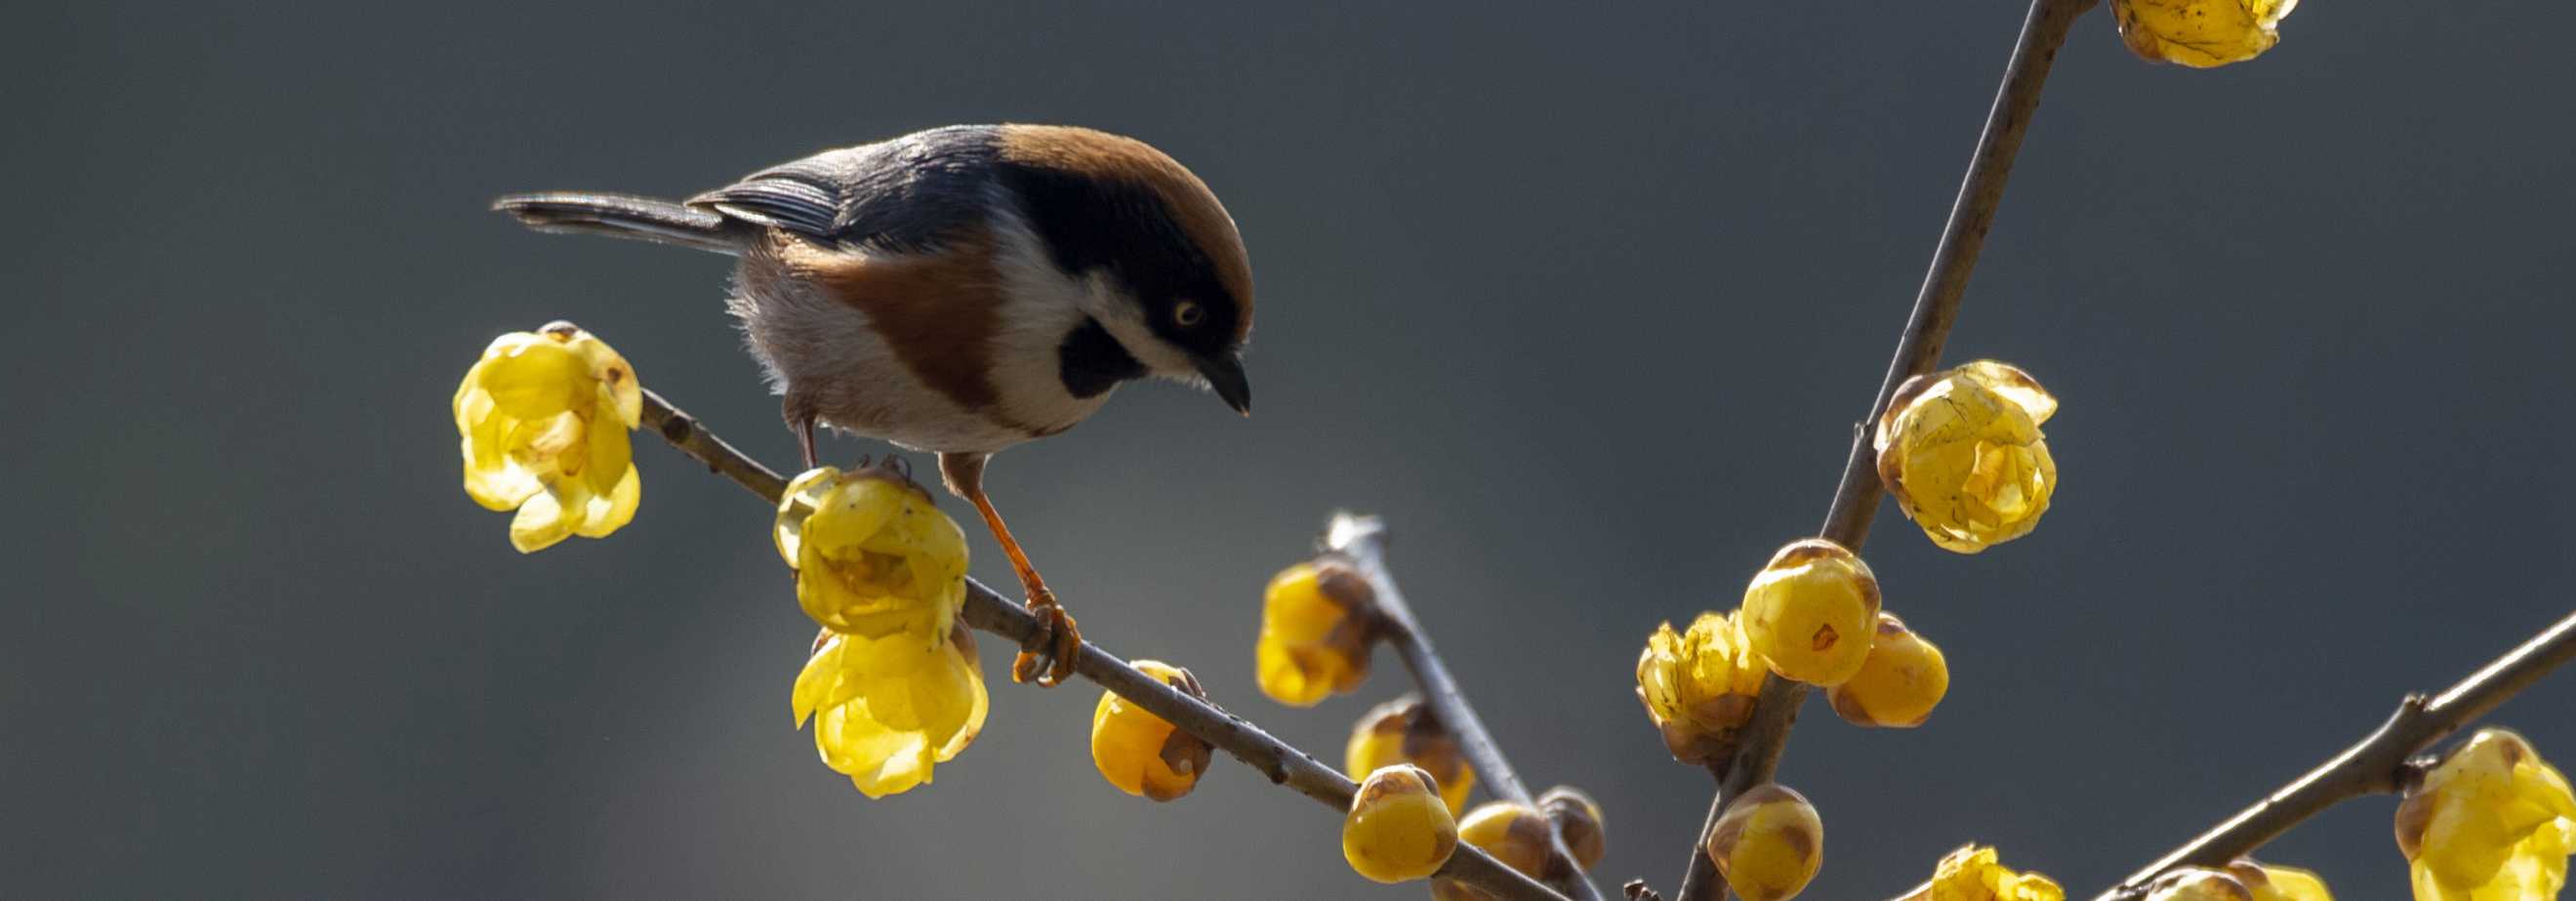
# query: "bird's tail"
[627,216]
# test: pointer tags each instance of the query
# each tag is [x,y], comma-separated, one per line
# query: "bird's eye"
[1188,313]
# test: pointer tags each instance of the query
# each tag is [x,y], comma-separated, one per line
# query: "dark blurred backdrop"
[1583,301]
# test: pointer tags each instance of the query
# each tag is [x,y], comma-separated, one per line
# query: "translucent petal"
[535,379]
[540,523]
[804,493]
[606,513]
[2200,33]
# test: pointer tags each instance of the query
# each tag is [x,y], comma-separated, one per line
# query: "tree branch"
[1918,350]
[1276,760]
[2374,766]
[1362,541]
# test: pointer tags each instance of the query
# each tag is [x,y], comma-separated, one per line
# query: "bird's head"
[1166,274]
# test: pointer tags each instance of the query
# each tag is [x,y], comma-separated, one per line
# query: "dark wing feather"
[900,195]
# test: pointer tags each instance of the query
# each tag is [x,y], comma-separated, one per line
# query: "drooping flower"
[1143,754]
[1768,843]
[1318,621]
[1977,873]
[873,554]
[1398,828]
[2491,822]
[1406,730]
[1699,686]
[543,419]
[1897,687]
[1962,453]
[1812,612]
[887,709]
[2200,33]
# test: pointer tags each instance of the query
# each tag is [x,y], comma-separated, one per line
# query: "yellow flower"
[1578,818]
[1317,622]
[2274,883]
[1398,829]
[1976,873]
[1515,834]
[1811,612]
[543,416]
[2493,821]
[886,709]
[1142,753]
[873,555]
[1903,679]
[1768,843]
[2200,33]
[1406,730]
[1962,453]
[1699,686]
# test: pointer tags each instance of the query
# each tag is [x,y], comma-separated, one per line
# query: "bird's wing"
[902,195]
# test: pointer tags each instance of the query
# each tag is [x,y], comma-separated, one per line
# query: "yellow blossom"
[1812,612]
[1317,620]
[885,709]
[1962,453]
[1406,730]
[1897,687]
[1976,873]
[2491,822]
[2200,33]
[1699,686]
[1768,843]
[1515,834]
[543,418]
[873,555]
[2277,883]
[1398,829]
[1142,753]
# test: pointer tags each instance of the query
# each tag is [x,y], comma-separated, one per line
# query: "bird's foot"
[1047,656]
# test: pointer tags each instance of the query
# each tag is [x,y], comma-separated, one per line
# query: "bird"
[962,290]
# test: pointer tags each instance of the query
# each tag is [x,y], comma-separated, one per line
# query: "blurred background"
[1584,303]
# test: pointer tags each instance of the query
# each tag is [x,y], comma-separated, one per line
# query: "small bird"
[961,290]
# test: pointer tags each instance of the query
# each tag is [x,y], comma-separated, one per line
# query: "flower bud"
[1811,611]
[1398,829]
[2491,820]
[2272,883]
[1897,687]
[1699,686]
[2200,33]
[1768,843]
[2197,884]
[1140,752]
[1578,818]
[1515,834]
[1406,730]
[1975,873]
[1317,622]
[1962,454]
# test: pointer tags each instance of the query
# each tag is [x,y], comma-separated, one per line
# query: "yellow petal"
[804,493]
[2200,33]
[540,523]
[2015,386]
[606,513]
[531,380]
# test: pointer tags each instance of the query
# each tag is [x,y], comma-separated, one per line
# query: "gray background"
[1583,300]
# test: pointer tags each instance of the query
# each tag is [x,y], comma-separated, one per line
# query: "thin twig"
[1362,540]
[2374,766]
[1918,350]
[1276,760]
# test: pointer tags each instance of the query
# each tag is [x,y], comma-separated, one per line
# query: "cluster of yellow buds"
[1962,453]
[2200,33]
[2243,880]
[894,687]
[2491,821]
[1407,730]
[1699,686]
[543,417]
[1319,621]
[1977,873]
[1768,843]
[1398,828]
[1144,754]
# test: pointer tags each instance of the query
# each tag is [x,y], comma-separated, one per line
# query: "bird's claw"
[1048,654]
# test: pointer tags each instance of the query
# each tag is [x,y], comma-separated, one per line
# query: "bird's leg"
[1048,655]
[802,422]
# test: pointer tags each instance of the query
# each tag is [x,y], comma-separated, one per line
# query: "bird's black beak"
[1224,372]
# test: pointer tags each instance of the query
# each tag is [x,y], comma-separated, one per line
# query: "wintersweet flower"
[886,709]
[1317,622]
[1144,754]
[2491,822]
[1406,730]
[1962,453]
[1812,612]
[1398,829]
[2200,33]
[873,555]
[1977,873]
[543,417]
[1699,686]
